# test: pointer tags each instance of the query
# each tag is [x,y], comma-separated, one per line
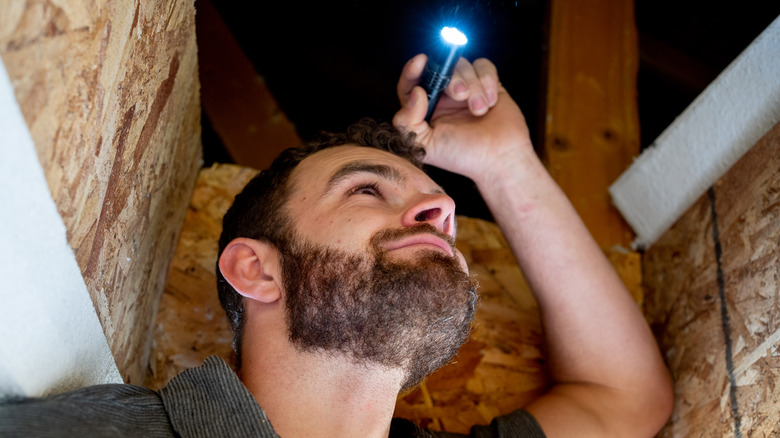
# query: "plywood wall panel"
[747,201]
[681,296]
[722,338]
[109,90]
[191,325]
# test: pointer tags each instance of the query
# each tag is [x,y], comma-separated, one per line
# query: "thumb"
[411,116]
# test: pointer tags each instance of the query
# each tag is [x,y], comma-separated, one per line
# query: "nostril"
[447,223]
[427,215]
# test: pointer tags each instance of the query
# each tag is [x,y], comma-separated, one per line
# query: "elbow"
[664,404]
[658,403]
[647,408]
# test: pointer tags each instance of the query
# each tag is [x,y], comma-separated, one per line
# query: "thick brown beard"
[409,314]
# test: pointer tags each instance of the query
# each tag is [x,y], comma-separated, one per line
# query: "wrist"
[510,171]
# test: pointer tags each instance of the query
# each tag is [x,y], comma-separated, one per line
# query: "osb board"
[109,90]
[699,338]
[191,324]
[500,369]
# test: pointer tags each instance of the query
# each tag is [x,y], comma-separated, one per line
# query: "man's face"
[370,269]
[341,196]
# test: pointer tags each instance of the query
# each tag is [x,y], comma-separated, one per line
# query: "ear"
[252,268]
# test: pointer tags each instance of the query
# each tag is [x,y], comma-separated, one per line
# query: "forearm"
[609,379]
[595,333]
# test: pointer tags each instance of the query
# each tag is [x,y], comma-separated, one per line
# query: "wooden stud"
[592,127]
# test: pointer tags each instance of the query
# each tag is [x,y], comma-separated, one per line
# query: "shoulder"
[517,424]
[100,410]
[210,400]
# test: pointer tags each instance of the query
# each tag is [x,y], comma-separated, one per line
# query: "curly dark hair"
[258,212]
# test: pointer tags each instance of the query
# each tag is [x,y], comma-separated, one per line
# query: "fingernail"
[491,95]
[478,104]
[459,88]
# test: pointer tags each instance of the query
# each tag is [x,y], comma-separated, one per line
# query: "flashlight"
[438,70]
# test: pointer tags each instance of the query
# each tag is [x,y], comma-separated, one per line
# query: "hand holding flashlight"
[479,120]
[438,70]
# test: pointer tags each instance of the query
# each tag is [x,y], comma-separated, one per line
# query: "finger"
[411,116]
[466,75]
[410,76]
[488,76]
[458,88]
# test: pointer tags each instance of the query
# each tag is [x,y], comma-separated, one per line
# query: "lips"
[419,240]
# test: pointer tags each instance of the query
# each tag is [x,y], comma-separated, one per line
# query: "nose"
[436,209]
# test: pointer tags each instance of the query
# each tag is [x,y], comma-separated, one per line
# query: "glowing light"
[453,36]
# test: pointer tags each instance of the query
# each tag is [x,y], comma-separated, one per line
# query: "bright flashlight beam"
[438,71]
[454,36]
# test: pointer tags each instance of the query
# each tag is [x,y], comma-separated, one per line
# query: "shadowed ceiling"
[330,63]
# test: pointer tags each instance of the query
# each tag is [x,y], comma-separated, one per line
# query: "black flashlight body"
[437,74]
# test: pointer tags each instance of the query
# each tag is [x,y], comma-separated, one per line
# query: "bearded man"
[340,276]
[339,263]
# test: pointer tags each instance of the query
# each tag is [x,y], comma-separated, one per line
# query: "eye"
[366,189]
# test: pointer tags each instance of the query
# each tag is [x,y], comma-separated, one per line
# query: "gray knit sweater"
[207,401]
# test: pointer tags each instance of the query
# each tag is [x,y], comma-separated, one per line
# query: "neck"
[317,394]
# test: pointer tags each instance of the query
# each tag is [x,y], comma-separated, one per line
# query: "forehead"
[318,168]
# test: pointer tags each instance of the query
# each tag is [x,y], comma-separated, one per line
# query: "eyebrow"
[381,170]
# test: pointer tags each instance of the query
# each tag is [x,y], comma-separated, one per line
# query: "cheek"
[323,221]
[462,261]
[340,232]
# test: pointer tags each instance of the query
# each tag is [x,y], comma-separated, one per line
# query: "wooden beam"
[235,98]
[592,122]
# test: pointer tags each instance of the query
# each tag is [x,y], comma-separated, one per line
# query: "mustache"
[388,235]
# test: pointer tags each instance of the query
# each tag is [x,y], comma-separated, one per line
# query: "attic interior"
[329,63]
[107,95]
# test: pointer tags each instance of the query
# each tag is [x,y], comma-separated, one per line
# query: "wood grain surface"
[109,90]
[591,110]
[721,338]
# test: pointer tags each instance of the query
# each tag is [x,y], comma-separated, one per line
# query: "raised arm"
[608,376]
